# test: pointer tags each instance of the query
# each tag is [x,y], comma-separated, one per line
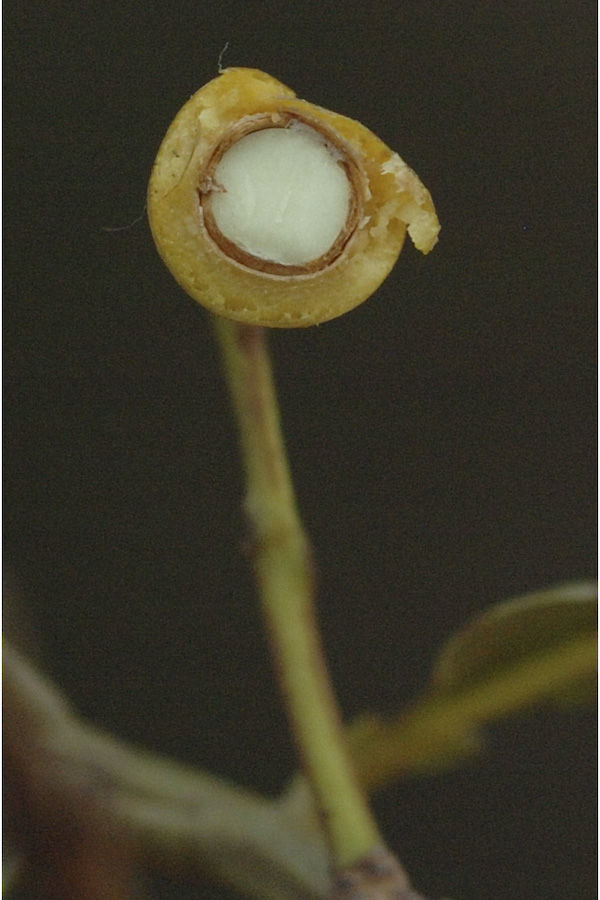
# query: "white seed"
[282,195]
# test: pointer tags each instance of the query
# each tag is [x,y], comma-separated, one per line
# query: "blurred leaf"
[513,632]
[535,649]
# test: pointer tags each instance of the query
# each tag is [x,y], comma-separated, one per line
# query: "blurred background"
[441,436]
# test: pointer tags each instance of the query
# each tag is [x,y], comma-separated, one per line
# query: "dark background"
[441,435]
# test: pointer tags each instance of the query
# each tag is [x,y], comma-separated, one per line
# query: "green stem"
[284,571]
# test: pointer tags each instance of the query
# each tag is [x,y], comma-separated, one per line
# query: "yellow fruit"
[296,240]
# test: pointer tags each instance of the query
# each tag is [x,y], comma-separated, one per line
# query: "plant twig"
[283,566]
[173,819]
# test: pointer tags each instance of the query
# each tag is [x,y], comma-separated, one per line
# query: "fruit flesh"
[281,195]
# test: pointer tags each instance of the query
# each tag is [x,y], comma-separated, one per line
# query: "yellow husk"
[393,200]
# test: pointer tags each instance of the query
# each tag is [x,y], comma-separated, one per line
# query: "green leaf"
[516,631]
[535,649]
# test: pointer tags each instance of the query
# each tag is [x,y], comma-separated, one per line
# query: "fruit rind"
[391,200]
